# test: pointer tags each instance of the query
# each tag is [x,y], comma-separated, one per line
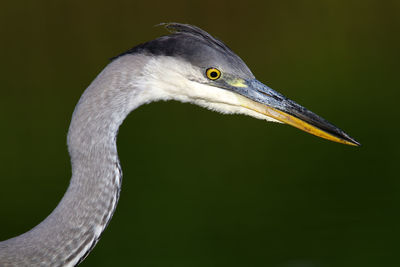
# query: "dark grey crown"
[195,46]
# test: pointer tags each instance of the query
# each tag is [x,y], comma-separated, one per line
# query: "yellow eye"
[213,73]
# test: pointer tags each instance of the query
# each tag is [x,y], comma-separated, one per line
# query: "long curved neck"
[68,234]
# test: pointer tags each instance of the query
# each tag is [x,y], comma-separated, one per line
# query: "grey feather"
[70,232]
[195,46]
[169,67]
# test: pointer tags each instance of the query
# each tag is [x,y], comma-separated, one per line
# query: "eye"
[213,73]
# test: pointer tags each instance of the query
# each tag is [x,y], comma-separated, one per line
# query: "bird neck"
[69,233]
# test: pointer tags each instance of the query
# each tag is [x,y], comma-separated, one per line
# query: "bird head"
[190,65]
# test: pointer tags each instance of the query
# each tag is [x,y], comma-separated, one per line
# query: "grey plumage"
[68,234]
[169,67]
[196,47]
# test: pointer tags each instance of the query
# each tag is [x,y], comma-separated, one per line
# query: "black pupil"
[214,74]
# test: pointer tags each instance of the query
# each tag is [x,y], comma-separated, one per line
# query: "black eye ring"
[213,73]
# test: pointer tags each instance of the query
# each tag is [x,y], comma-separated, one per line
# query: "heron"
[188,65]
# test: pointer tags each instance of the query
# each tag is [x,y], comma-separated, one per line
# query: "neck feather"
[68,234]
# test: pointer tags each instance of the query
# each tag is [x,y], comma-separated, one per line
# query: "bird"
[188,65]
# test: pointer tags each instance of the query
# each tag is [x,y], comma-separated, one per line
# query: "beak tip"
[351,141]
[356,143]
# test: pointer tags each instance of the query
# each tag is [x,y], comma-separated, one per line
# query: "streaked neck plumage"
[68,234]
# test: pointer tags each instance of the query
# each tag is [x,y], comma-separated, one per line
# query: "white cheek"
[172,83]
[223,101]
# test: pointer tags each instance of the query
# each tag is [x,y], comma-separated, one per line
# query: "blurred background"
[201,188]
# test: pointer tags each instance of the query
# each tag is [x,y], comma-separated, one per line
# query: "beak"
[262,99]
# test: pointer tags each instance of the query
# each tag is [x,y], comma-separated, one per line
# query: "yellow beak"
[298,123]
[260,98]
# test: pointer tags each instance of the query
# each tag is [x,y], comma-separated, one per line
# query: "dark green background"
[200,188]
